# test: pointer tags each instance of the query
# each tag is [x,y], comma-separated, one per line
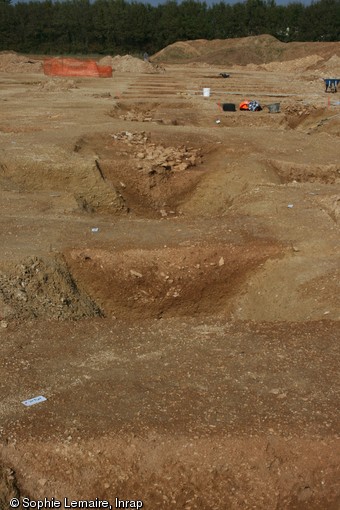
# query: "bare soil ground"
[169,281]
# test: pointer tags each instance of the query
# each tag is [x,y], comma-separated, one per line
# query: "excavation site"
[170,280]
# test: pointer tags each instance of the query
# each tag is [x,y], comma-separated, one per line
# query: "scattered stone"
[135,273]
[181,167]
[221,262]
[157,158]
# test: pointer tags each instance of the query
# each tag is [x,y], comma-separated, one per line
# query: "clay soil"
[169,281]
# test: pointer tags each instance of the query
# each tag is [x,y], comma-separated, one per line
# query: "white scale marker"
[33,401]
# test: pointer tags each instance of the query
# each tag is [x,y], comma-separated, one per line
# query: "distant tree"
[275,19]
[219,18]
[322,21]
[81,19]
[238,25]
[256,17]
[294,15]
[167,28]
[22,14]
[83,26]
[7,28]
[119,23]
[138,29]
[192,20]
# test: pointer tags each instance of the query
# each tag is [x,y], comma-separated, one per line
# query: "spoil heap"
[129,64]
[11,62]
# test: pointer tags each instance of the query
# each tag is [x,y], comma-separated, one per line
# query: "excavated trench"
[124,172]
[133,284]
[180,113]
[152,177]
[269,471]
[57,170]
[189,112]
[313,120]
[169,282]
[111,174]
[289,171]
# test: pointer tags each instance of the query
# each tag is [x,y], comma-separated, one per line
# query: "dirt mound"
[242,51]
[178,51]
[12,62]
[129,64]
[222,51]
[298,64]
[331,67]
[42,288]
[57,85]
[8,486]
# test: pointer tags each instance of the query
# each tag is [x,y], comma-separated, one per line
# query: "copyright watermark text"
[81,503]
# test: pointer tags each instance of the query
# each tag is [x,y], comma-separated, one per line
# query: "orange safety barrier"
[75,67]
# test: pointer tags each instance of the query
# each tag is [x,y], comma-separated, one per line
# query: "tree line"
[119,26]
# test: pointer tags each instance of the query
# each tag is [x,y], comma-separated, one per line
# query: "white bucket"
[206,92]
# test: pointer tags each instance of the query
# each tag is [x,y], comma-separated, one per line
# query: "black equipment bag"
[229,107]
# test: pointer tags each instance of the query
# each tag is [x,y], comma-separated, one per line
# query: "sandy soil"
[169,281]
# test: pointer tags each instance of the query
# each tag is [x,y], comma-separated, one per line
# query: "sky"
[208,2]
